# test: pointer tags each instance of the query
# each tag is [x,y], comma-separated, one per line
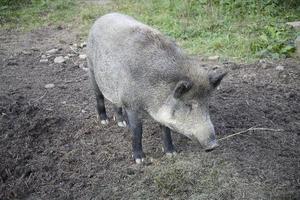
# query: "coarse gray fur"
[137,67]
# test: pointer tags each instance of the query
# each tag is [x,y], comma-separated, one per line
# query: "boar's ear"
[182,87]
[215,78]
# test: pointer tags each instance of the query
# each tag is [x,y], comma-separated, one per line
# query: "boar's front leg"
[135,124]
[167,141]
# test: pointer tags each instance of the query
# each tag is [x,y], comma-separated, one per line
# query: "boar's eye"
[182,108]
[181,88]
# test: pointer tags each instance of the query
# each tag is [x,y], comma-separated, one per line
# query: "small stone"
[83,44]
[67,57]
[295,25]
[44,60]
[264,65]
[82,56]
[52,51]
[83,111]
[59,59]
[50,85]
[151,159]
[83,67]
[279,68]
[43,56]
[213,57]
[26,52]
[71,55]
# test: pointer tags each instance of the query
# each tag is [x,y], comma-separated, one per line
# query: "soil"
[52,145]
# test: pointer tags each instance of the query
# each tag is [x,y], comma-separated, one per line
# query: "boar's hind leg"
[135,124]
[167,141]
[101,107]
[100,101]
[119,117]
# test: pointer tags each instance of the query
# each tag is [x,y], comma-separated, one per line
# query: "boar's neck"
[196,71]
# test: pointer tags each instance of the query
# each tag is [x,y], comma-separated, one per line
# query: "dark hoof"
[171,154]
[104,122]
[122,124]
[138,157]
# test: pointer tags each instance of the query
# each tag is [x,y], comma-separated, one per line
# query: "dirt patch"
[53,147]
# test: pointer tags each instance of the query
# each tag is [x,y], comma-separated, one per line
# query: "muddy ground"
[52,145]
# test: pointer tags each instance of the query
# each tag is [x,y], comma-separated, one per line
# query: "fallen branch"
[251,129]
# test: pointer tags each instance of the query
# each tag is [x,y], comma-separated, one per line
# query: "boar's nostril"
[211,146]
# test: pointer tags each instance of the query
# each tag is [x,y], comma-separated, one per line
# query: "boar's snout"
[206,136]
[211,145]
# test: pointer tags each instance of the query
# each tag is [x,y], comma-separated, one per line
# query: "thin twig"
[37,99]
[74,80]
[76,52]
[251,129]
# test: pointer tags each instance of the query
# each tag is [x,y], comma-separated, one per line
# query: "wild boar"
[142,71]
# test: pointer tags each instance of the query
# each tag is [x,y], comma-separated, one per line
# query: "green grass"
[238,30]
[26,15]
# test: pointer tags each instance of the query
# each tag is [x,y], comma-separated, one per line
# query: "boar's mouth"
[208,146]
[212,145]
